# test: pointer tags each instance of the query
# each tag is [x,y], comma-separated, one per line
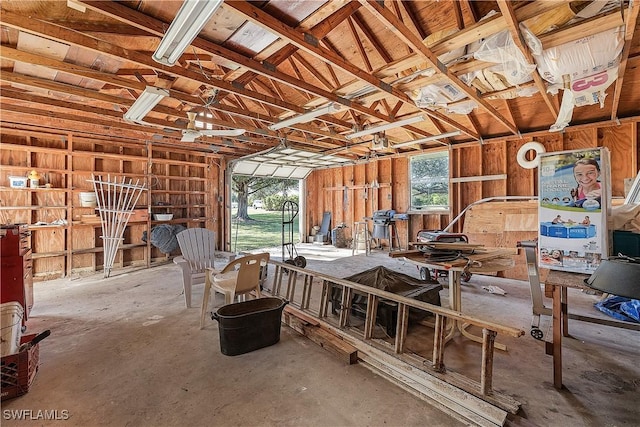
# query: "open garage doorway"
[259,216]
[248,174]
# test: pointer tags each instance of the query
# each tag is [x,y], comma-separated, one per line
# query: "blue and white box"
[575,194]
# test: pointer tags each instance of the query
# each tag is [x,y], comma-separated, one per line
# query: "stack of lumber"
[478,257]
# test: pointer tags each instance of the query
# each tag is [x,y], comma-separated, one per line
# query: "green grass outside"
[265,231]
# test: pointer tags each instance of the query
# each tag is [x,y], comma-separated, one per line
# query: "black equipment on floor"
[390,281]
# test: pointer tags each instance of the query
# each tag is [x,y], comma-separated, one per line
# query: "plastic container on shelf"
[163,217]
[34,179]
[18,181]
[11,314]
[88,200]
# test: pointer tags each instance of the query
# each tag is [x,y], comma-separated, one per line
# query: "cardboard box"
[139,215]
[575,193]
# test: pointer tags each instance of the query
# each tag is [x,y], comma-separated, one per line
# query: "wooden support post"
[401,328]
[345,306]
[438,343]
[370,319]
[291,285]
[486,374]
[277,280]
[565,311]
[324,299]
[557,336]
[306,291]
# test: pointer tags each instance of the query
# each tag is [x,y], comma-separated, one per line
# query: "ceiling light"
[192,16]
[428,138]
[148,99]
[384,127]
[307,117]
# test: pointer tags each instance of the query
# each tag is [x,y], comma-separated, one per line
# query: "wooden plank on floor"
[325,339]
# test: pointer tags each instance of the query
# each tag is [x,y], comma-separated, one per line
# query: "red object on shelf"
[16,268]
[17,371]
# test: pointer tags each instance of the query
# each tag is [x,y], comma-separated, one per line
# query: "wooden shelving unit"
[64,244]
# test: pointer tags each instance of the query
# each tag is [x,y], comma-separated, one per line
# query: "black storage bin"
[249,325]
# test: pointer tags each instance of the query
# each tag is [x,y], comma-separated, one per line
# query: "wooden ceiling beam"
[415,26]
[62,88]
[131,85]
[154,26]
[94,95]
[12,54]
[372,38]
[457,11]
[585,28]
[319,31]
[401,30]
[358,45]
[100,27]
[313,71]
[70,121]
[294,67]
[63,35]
[311,45]
[512,25]
[631,19]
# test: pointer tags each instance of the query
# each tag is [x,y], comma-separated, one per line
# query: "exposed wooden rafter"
[631,19]
[257,63]
[416,44]
[310,45]
[512,24]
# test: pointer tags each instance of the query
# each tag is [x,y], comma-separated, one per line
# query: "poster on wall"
[573,205]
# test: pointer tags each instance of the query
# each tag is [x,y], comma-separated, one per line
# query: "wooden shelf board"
[101,249]
[31,208]
[48,254]
[39,189]
[41,227]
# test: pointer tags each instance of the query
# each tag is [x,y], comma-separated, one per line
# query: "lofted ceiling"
[474,70]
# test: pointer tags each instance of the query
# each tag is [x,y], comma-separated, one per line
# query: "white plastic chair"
[237,278]
[198,253]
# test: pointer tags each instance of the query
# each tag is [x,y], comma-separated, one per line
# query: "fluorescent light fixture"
[381,128]
[148,99]
[192,16]
[428,138]
[307,117]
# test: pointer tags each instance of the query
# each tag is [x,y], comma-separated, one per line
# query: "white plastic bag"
[500,49]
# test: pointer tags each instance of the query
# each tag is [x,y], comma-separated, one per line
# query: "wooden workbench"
[555,288]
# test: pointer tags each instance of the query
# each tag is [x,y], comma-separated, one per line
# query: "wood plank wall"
[346,191]
[191,181]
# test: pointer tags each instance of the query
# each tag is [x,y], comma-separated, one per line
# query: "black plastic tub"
[249,325]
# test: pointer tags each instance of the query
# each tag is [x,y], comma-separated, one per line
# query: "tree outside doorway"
[261,227]
[271,192]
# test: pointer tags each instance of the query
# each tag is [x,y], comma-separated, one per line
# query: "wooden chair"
[198,253]
[237,278]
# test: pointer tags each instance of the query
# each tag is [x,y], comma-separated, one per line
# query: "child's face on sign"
[585,174]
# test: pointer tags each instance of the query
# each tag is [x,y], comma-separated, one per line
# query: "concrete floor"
[125,351]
